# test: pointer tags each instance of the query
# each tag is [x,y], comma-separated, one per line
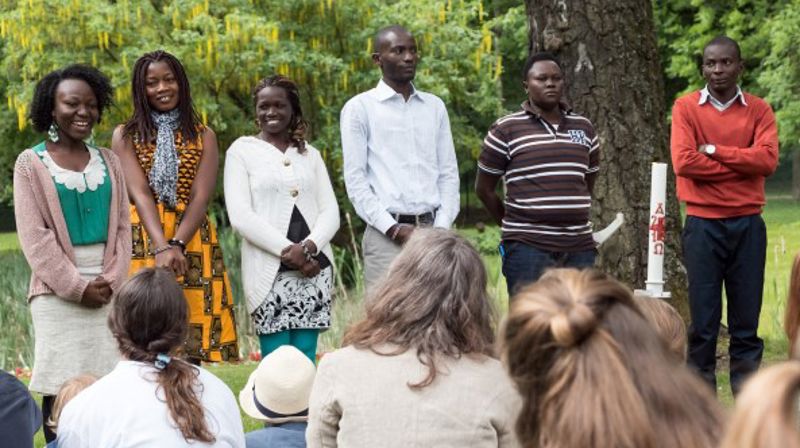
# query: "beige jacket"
[361,399]
[43,235]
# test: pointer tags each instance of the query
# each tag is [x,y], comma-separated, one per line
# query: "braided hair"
[149,317]
[140,123]
[298,124]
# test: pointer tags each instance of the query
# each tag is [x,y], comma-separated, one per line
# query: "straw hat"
[278,390]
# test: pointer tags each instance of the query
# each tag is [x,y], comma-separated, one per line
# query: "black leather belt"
[425,219]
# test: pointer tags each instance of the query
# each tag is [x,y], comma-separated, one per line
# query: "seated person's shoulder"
[342,354]
[286,436]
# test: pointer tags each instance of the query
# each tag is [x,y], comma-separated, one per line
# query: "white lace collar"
[91,177]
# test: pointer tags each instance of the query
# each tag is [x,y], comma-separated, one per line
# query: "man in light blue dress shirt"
[400,165]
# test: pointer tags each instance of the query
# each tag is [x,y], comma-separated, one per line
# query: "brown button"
[294,193]
[287,162]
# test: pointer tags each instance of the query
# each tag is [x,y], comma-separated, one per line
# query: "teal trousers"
[303,339]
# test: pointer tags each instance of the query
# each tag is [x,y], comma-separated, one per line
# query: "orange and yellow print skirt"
[212,326]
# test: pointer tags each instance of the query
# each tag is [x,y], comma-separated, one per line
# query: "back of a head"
[766,410]
[792,313]
[593,372]
[667,322]
[69,390]
[149,315]
[149,320]
[433,299]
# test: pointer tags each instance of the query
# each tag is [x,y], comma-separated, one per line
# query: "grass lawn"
[8,241]
[782,216]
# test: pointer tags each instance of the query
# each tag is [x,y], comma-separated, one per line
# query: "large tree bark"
[611,62]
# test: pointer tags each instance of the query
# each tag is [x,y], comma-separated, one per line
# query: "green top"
[85,196]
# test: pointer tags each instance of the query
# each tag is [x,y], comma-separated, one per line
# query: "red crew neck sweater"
[730,182]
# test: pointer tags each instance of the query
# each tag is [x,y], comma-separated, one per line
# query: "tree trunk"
[610,58]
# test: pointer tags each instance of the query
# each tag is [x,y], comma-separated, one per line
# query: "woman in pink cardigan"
[71,209]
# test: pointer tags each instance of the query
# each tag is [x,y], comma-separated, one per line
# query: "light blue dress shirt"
[399,157]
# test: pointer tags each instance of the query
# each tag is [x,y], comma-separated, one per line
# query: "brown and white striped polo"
[544,168]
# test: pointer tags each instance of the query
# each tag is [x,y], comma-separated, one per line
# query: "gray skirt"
[71,339]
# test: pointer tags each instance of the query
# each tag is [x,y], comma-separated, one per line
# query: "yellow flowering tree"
[228,45]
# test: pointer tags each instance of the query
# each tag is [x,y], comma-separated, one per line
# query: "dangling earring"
[52,132]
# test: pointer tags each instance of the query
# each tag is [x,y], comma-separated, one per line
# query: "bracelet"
[161,249]
[306,252]
[395,232]
[178,243]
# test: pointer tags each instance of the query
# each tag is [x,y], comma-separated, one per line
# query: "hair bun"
[571,326]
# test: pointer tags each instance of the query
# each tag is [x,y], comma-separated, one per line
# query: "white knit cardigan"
[262,186]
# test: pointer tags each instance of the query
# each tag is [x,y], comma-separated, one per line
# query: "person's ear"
[376,58]
[525,85]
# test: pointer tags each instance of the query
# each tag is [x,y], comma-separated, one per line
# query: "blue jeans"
[524,264]
[729,251]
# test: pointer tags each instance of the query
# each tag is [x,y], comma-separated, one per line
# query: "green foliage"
[685,26]
[485,240]
[767,32]
[781,74]
[227,45]
[16,329]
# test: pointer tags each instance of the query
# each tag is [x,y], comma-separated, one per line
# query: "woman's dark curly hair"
[297,125]
[44,95]
[140,123]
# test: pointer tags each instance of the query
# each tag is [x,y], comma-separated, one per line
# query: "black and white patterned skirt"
[296,302]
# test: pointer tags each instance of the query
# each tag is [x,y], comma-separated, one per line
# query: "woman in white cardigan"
[280,200]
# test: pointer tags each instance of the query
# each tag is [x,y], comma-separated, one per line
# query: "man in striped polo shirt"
[548,158]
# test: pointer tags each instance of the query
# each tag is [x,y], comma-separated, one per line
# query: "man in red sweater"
[724,144]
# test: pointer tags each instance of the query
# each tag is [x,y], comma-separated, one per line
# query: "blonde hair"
[71,388]
[592,371]
[766,410]
[433,300]
[667,322]
[792,313]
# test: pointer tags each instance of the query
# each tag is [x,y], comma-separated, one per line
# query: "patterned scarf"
[164,173]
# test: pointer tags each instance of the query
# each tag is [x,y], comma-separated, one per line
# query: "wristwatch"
[710,149]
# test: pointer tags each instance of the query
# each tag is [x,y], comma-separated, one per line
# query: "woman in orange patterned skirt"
[170,162]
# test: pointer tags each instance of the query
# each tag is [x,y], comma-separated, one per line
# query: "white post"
[656,232]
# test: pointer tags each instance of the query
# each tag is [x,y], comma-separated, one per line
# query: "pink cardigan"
[43,234]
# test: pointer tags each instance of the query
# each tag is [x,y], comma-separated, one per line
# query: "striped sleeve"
[494,157]
[594,151]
